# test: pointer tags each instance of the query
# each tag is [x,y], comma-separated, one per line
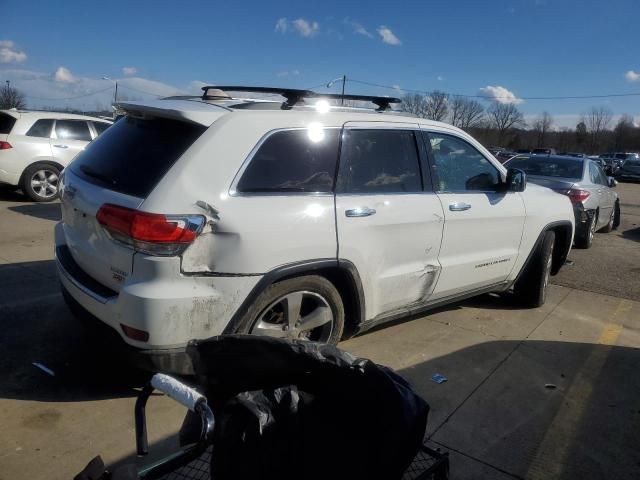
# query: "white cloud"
[632,76]
[357,27]
[287,73]
[129,71]
[282,25]
[388,36]
[306,28]
[398,89]
[9,54]
[440,78]
[195,86]
[500,94]
[63,75]
[44,89]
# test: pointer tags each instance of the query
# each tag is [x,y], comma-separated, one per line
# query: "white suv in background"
[36,146]
[191,218]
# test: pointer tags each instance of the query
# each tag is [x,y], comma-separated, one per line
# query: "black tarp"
[302,410]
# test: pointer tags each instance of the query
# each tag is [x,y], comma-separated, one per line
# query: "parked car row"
[596,205]
[36,146]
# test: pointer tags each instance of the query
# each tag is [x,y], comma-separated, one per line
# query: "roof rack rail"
[293,95]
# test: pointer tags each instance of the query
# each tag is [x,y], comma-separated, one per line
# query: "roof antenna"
[344,80]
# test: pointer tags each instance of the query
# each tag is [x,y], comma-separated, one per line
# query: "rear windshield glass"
[133,155]
[550,167]
[6,123]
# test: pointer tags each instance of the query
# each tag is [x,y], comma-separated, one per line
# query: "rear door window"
[73,130]
[6,123]
[301,160]
[134,154]
[101,127]
[42,128]
[379,161]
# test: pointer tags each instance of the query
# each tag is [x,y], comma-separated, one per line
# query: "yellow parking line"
[551,455]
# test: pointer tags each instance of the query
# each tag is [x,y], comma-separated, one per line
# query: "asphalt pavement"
[545,393]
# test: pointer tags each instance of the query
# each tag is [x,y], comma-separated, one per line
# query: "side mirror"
[516,180]
[612,182]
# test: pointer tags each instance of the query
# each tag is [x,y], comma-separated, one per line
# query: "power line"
[491,97]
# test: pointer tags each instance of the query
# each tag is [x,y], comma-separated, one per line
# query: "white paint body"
[27,150]
[414,249]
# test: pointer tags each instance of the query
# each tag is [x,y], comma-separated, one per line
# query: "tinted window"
[293,161]
[549,166]
[133,155]
[632,163]
[73,130]
[379,161]
[6,123]
[602,175]
[458,166]
[42,128]
[594,174]
[101,126]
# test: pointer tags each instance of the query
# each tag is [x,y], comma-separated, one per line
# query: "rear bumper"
[156,298]
[174,361]
[9,177]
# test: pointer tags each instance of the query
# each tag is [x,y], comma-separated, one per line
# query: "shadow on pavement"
[632,234]
[507,422]
[37,326]
[45,211]
[12,194]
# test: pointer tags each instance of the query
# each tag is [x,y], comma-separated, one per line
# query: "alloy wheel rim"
[592,228]
[547,273]
[44,183]
[300,315]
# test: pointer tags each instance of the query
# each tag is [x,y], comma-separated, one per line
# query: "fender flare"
[319,266]
[561,250]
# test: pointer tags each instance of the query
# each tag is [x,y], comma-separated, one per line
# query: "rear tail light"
[5,145]
[577,195]
[150,233]
[134,333]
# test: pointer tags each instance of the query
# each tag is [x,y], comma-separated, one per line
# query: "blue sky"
[527,47]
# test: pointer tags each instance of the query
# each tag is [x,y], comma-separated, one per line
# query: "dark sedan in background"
[629,170]
[595,203]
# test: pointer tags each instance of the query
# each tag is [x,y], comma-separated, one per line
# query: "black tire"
[46,173]
[531,287]
[585,232]
[314,288]
[616,215]
[612,219]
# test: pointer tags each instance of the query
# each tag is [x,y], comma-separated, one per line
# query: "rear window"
[101,127]
[42,128]
[6,123]
[293,161]
[134,154]
[549,167]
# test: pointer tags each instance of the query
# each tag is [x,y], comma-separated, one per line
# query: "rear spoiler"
[194,112]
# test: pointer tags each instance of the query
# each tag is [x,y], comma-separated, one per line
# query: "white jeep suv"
[195,217]
[36,146]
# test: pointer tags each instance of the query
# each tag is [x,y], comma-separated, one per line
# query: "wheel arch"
[561,247]
[342,274]
[37,162]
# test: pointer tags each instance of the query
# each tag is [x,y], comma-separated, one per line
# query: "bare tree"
[624,132]
[542,126]
[437,106]
[11,98]
[414,103]
[597,120]
[466,113]
[503,117]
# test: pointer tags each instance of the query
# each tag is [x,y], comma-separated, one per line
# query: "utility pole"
[344,80]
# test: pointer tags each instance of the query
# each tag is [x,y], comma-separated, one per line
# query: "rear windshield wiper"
[92,173]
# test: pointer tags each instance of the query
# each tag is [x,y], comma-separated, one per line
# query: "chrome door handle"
[459,206]
[360,212]
[62,146]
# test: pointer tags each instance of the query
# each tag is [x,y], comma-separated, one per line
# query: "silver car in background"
[595,204]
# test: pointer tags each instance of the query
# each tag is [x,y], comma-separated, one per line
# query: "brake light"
[5,145]
[151,233]
[577,195]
